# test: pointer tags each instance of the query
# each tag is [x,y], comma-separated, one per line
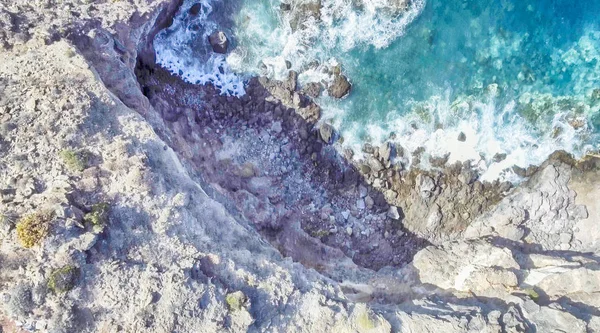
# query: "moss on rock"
[98,216]
[63,279]
[235,301]
[73,160]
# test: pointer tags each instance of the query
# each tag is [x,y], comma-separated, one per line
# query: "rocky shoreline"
[177,209]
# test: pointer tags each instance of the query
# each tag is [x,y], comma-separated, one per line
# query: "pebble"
[276,127]
[362,191]
[349,231]
[360,204]
[369,202]
[345,214]
[31,104]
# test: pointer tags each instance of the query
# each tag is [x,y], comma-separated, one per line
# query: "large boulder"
[583,284]
[326,132]
[469,267]
[340,86]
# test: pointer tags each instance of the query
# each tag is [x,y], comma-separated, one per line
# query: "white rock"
[393,213]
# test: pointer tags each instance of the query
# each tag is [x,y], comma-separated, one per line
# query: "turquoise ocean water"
[520,78]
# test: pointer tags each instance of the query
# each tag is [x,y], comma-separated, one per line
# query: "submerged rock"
[195,9]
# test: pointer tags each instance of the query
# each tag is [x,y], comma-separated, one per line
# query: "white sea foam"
[265,41]
[268,43]
[488,132]
[183,49]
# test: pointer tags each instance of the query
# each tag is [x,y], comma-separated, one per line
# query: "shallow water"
[516,77]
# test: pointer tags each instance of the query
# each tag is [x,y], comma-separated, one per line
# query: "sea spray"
[183,49]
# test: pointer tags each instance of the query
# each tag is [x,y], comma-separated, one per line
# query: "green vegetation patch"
[63,279]
[33,228]
[532,294]
[236,300]
[320,233]
[364,322]
[74,161]
[98,216]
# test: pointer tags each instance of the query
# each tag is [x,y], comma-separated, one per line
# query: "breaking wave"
[515,81]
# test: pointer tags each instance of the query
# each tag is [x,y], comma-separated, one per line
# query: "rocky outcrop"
[471,267]
[340,87]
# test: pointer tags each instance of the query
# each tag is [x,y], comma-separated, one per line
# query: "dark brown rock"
[499,157]
[195,9]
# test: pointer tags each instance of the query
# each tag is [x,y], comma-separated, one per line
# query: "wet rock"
[312,89]
[462,137]
[292,81]
[298,101]
[525,172]
[440,161]
[368,148]
[285,7]
[303,12]
[348,154]
[365,169]
[340,86]
[499,157]
[467,176]
[219,42]
[326,133]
